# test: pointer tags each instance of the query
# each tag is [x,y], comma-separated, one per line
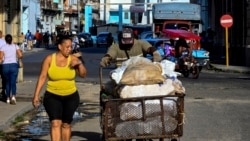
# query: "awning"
[176,33]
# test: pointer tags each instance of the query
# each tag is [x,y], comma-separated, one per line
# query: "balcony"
[50,5]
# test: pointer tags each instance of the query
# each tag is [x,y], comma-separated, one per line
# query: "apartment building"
[51,16]
[9,18]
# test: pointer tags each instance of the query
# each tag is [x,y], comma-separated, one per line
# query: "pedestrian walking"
[21,38]
[46,39]
[61,97]
[2,42]
[30,38]
[38,38]
[23,42]
[53,38]
[75,41]
[9,54]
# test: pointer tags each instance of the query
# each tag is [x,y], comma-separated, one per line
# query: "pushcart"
[153,117]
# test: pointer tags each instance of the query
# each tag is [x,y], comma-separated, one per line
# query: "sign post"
[226,21]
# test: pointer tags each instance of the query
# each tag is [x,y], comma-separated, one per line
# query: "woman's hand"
[36,102]
[75,62]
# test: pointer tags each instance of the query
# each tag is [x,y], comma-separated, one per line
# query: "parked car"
[101,39]
[156,42]
[85,39]
[140,28]
[146,35]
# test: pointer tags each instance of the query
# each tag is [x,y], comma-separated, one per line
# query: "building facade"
[51,16]
[10,20]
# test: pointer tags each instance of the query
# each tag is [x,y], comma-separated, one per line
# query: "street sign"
[226,21]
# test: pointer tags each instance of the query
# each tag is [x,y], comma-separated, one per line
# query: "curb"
[230,69]
[9,122]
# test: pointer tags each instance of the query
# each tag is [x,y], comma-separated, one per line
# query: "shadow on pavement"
[89,136]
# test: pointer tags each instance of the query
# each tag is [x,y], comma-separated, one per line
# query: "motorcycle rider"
[182,52]
[75,41]
[127,47]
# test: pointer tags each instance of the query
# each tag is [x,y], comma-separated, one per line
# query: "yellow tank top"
[61,80]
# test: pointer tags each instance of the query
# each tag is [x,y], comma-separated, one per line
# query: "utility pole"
[78,14]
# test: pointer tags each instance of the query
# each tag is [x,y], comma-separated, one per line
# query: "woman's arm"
[79,66]
[41,80]
[19,54]
[1,56]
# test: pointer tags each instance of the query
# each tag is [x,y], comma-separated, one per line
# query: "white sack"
[166,88]
[151,126]
[168,68]
[133,110]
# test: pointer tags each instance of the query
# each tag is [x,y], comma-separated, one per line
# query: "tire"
[200,68]
[195,72]
[185,73]
[208,66]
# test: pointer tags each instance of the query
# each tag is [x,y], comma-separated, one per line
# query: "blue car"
[101,39]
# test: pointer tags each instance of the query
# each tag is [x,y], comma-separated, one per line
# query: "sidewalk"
[88,93]
[234,69]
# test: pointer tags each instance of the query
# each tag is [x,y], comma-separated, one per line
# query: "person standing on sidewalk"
[61,97]
[9,54]
[2,42]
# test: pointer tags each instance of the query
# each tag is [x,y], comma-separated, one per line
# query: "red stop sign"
[226,21]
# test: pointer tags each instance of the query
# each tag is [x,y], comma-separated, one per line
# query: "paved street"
[208,102]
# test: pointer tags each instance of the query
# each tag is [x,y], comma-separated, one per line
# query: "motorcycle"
[189,63]
[186,64]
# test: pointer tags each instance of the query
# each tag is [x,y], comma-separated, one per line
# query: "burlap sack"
[142,74]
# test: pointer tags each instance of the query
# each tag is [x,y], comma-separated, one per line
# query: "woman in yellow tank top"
[61,98]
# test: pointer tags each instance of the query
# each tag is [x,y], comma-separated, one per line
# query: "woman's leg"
[13,77]
[53,106]
[70,104]
[6,76]
[66,132]
[55,130]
